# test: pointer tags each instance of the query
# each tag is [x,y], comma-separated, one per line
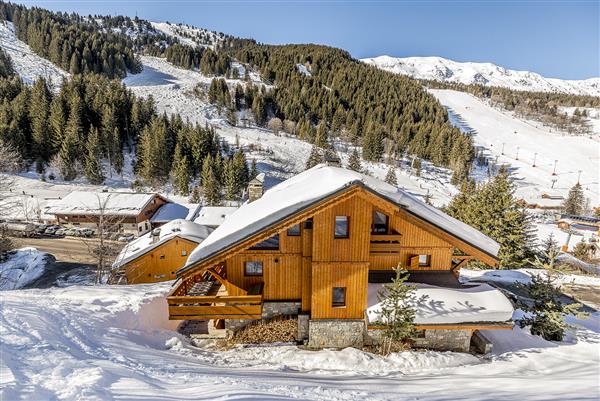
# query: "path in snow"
[27,64]
[114,342]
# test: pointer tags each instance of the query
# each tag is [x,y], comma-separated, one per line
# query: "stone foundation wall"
[272,309]
[441,340]
[303,324]
[336,333]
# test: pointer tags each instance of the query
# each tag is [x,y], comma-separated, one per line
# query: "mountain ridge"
[487,74]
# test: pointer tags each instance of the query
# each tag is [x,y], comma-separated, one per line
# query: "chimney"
[155,235]
[332,159]
[256,187]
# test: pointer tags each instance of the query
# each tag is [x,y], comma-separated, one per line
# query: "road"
[67,249]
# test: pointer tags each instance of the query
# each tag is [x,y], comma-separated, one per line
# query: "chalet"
[173,211]
[157,255]
[320,246]
[130,212]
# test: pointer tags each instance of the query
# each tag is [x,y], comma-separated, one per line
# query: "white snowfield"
[189,35]
[495,129]
[24,266]
[314,185]
[177,228]
[441,69]
[116,343]
[27,64]
[438,305]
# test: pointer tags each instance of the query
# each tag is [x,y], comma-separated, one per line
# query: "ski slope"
[444,70]
[115,342]
[495,129]
[27,64]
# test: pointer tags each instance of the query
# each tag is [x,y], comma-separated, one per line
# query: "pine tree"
[92,167]
[417,166]
[493,210]
[58,120]
[575,202]
[69,150]
[397,312]
[315,157]
[253,171]
[354,162]
[391,178]
[210,185]
[39,111]
[180,172]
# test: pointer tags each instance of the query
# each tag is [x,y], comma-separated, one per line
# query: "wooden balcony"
[202,299]
[382,245]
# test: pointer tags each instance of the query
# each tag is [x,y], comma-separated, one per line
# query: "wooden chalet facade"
[129,212]
[317,255]
[157,255]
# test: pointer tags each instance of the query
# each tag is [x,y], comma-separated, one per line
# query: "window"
[253,268]
[380,223]
[162,256]
[341,227]
[424,260]
[268,244]
[308,224]
[183,252]
[294,231]
[338,297]
[140,229]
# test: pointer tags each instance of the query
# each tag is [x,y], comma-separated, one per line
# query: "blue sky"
[555,38]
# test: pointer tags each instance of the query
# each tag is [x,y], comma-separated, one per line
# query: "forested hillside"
[315,92]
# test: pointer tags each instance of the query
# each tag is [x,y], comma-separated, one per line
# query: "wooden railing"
[206,307]
[385,244]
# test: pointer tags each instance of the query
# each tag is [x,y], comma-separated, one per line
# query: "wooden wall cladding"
[441,259]
[352,276]
[356,247]
[151,268]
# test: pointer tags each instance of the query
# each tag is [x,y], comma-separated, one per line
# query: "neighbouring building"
[173,211]
[213,216]
[321,245]
[157,255]
[127,211]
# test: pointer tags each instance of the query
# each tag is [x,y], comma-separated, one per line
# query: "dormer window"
[380,223]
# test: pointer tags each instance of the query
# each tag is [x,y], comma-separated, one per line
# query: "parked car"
[72,232]
[126,237]
[60,232]
[85,232]
[20,229]
[40,228]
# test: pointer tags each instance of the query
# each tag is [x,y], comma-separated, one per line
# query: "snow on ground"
[441,69]
[115,342]
[593,116]
[189,35]
[22,267]
[27,64]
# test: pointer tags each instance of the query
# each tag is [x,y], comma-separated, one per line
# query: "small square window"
[424,260]
[253,268]
[338,297]
[294,231]
[183,252]
[341,227]
[162,256]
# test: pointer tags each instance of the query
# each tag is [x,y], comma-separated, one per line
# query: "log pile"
[272,331]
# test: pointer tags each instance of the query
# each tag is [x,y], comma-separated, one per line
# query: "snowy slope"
[27,64]
[493,128]
[115,342]
[189,35]
[441,69]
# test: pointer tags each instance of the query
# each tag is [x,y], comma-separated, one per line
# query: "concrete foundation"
[441,340]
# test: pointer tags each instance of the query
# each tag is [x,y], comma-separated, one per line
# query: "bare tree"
[10,162]
[102,249]
[275,125]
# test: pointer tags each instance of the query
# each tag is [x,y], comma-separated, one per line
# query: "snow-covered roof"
[439,305]
[213,216]
[114,203]
[177,228]
[173,211]
[314,185]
